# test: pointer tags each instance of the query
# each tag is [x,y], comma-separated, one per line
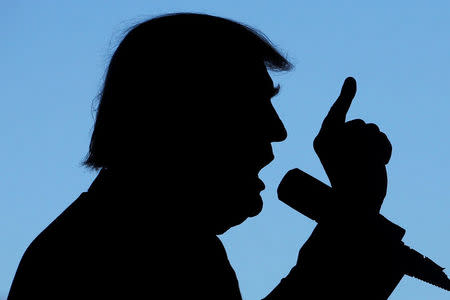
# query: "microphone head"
[305,194]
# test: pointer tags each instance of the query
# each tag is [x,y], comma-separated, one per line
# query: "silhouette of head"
[186,100]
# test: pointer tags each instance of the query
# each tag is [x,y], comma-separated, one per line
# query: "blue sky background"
[53,55]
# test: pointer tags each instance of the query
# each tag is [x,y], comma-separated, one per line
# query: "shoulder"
[67,226]
[47,254]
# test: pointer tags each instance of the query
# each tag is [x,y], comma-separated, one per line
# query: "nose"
[277,130]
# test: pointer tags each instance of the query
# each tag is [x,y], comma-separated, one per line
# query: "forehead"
[253,78]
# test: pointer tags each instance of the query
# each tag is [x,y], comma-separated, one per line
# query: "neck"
[133,193]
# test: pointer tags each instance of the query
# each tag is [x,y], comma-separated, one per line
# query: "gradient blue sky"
[54,54]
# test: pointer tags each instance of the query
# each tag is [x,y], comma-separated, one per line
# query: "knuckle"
[355,122]
[355,125]
[386,147]
[372,127]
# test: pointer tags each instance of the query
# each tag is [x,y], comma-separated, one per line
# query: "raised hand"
[347,256]
[354,155]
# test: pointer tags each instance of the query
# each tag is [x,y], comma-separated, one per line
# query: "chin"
[222,228]
[247,204]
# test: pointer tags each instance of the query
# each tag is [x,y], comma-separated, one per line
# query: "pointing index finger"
[338,111]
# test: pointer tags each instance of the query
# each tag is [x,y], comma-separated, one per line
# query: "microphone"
[317,201]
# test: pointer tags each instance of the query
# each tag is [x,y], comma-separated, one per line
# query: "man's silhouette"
[183,127]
